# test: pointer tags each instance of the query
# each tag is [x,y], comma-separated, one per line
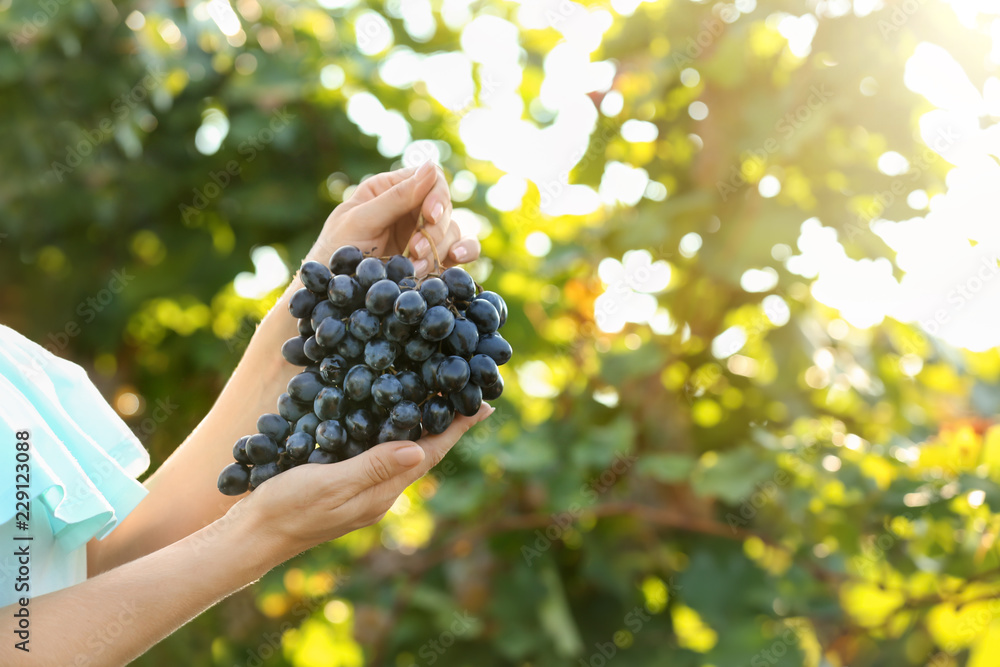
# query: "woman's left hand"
[381,216]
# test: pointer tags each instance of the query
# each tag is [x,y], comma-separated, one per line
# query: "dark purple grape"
[314,350]
[419,349]
[460,284]
[379,354]
[410,307]
[344,291]
[351,348]
[322,456]
[463,338]
[452,374]
[438,415]
[370,271]
[494,390]
[291,409]
[353,448]
[302,303]
[307,424]
[484,371]
[300,445]
[330,332]
[315,277]
[437,323]
[363,325]
[331,436]
[387,390]
[413,389]
[304,386]
[398,268]
[467,400]
[434,291]
[407,284]
[416,432]
[306,327]
[381,297]
[262,449]
[333,369]
[261,473]
[361,425]
[482,313]
[428,371]
[273,426]
[395,331]
[330,403]
[345,260]
[495,347]
[323,310]
[234,479]
[358,383]
[497,302]
[405,414]
[240,450]
[294,353]
[389,432]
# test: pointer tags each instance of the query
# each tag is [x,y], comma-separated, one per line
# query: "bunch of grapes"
[386,357]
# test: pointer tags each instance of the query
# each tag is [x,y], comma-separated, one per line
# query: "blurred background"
[749,250]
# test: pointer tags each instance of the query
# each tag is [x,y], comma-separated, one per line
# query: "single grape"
[324,310]
[331,436]
[452,374]
[358,383]
[307,424]
[410,307]
[482,313]
[363,325]
[494,390]
[389,432]
[405,414]
[407,284]
[305,325]
[370,271]
[330,403]
[304,386]
[434,291]
[261,473]
[495,347]
[350,347]
[415,433]
[381,297]
[291,409]
[419,349]
[294,353]
[387,390]
[315,277]
[330,332]
[262,449]
[353,448]
[333,369]
[463,338]
[343,290]
[379,354]
[302,303]
[234,479]
[498,303]
[460,284]
[398,268]
[394,330]
[314,350]
[322,456]
[274,426]
[428,371]
[437,323]
[300,445]
[361,425]
[467,400]
[438,415]
[345,260]
[240,450]
[484,371]
[413,389]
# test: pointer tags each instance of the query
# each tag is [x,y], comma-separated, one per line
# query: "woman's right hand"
[315,503]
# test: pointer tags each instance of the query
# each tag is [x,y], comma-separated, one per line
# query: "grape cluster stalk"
[386,357]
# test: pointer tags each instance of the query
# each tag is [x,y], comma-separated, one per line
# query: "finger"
[465,250]
[443,245]
[397,201]
[376,466]
[378,184]
[436,209]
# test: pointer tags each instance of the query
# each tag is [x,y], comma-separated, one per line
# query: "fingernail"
[420,268]
[409,456]
[425,168]
[421,246]
[436,212]
[460,253]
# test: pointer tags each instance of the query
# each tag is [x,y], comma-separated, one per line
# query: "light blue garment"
[83,460]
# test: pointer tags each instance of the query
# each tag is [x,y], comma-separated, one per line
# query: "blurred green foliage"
[803,502]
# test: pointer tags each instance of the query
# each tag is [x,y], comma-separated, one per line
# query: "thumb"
[375,466]
[401,199]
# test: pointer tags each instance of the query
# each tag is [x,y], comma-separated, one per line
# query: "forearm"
[113,618]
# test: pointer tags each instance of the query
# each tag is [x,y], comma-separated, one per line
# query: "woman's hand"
[381,217]
[315,503]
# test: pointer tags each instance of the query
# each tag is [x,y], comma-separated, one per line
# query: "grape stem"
[422,228]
